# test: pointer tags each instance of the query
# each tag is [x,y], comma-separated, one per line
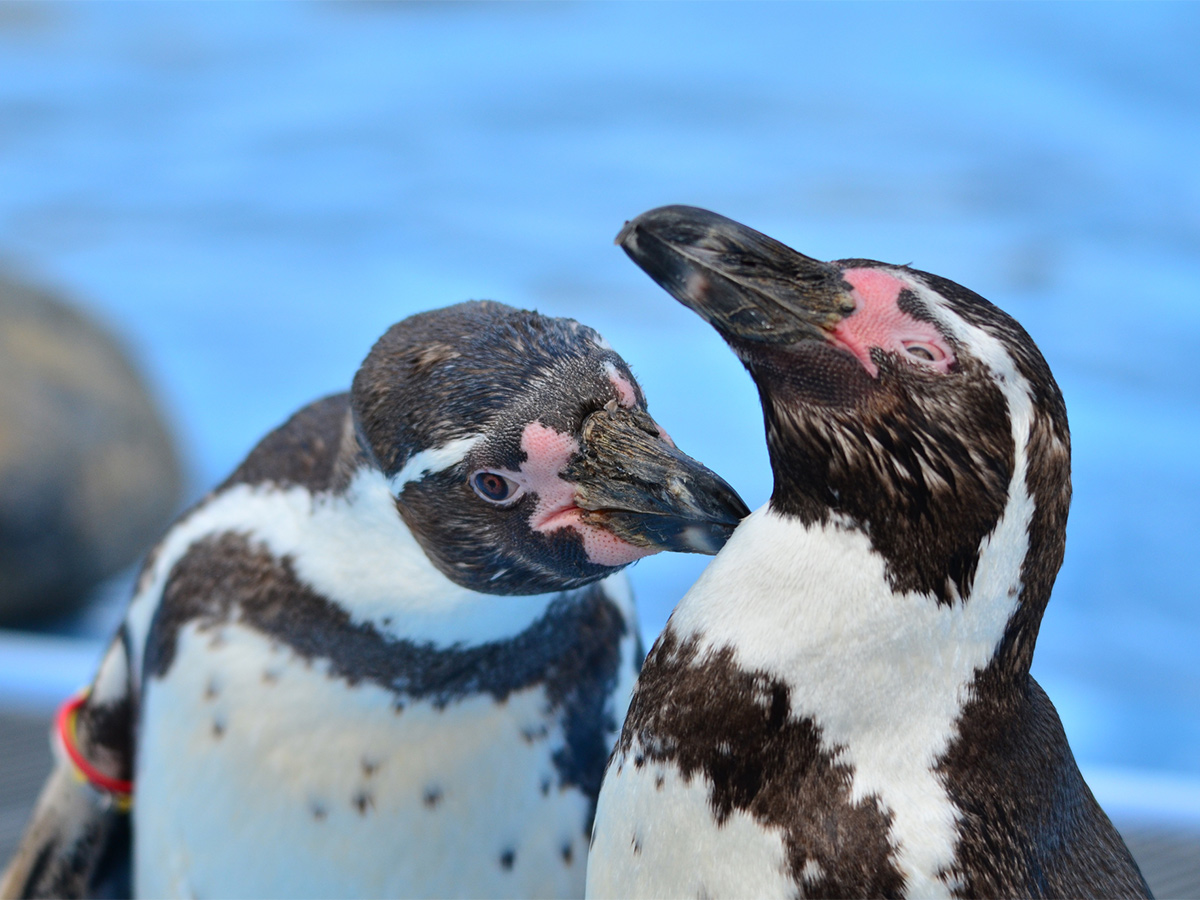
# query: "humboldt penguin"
[841,706]
[389,655]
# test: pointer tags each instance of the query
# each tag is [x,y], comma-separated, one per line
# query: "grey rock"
[89,474]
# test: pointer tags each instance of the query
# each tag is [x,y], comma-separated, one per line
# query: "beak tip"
[625,235]
[747,285]
[705,539]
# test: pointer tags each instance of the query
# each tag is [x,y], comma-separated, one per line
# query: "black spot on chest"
[709,718]
[363,801]
[572,651]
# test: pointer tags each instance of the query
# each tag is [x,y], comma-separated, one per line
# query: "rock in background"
[89,474]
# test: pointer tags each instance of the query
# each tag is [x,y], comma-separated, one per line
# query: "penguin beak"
[749,287]
[631,481]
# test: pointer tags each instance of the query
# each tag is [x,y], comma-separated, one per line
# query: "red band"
[65,725]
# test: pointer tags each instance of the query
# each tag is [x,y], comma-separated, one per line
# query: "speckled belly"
[262,776]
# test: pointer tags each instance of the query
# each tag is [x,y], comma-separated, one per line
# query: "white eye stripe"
[435,459]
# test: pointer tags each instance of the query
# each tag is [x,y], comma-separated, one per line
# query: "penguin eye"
[924,352]
[494,487]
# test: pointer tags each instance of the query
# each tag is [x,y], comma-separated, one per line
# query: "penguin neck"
[350,546]
[365,558]
[812,606]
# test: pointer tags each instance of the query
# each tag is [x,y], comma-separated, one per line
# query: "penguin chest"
[261,774]
[657,834]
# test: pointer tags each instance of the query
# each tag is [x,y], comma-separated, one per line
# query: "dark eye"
[494,487]
[924,352]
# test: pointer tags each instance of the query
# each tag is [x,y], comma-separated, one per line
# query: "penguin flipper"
[70,842]
[1090,858]
[77,842]
[1031,826]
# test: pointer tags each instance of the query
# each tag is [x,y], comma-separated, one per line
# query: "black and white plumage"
[389,656]
[841,706]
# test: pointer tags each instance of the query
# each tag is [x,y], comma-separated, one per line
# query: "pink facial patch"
[878,321]
[626,395]
[547,454]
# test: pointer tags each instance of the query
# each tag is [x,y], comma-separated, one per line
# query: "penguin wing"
[1031,826]
[77,843]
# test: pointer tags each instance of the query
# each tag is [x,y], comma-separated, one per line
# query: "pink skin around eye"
[547,454]
[878,321]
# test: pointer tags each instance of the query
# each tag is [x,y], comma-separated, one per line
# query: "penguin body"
[389,655]
[399,723]
[841,705]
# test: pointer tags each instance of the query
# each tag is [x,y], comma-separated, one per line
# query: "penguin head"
[521,455]
[896,402]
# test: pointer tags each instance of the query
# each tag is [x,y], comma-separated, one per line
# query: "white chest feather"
[655,836]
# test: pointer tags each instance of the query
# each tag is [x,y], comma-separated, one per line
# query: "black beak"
[631,481]
[748,286]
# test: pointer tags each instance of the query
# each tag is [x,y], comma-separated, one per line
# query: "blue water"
[251,193]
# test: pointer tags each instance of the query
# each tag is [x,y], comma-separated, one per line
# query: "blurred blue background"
[252,193]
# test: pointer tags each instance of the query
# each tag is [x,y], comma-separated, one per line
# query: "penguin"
[390,654]
[841,705]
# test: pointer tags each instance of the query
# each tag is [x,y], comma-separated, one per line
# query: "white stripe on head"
[435,459]
[981,343]
[624,388]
